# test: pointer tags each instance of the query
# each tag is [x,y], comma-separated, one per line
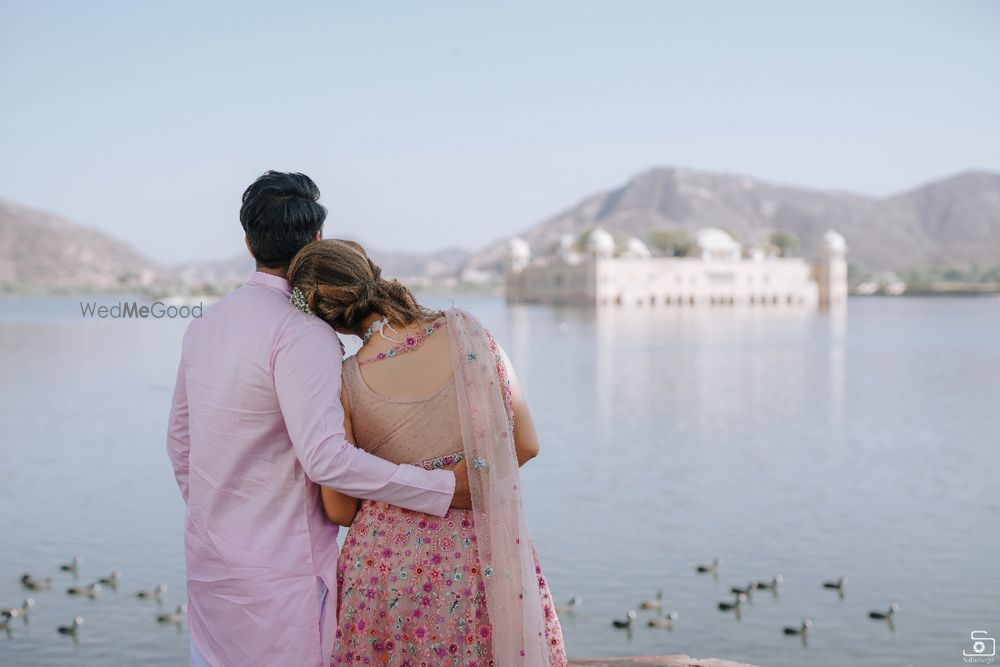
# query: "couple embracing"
[414,443]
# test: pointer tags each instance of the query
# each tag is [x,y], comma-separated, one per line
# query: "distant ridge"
[951,221]
[40,251]
[43,252]
[408,266]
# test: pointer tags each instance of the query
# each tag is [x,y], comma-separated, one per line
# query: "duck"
[33,584]
[653,604]
[710,569]
[112,579]
[175,617]
[884,615]
[735,604]
[568,608]
[627,623]
[838,585]
[155,593]
[663,620]
[748,591]
[21,611]
[801,630]
[90,591]
[72,566]
[71,629]
[770,585]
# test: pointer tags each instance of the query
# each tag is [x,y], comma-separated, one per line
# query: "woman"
[433,389]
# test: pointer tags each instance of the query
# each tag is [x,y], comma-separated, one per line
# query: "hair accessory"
[299,301]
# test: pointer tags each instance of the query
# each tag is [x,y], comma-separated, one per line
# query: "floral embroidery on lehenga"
[412,593]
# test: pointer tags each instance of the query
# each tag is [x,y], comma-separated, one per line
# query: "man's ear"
[318,235]
[247,241]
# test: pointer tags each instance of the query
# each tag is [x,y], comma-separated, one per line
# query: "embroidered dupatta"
[512,597]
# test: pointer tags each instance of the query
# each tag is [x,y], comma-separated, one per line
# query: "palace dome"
[636,248]
[833,240]
[519,248]
[601,241]
[713,238]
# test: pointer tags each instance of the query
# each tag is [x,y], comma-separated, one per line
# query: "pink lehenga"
[466,589]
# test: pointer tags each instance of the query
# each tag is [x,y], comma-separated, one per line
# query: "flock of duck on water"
[662,619]
[741,595]
[92,591]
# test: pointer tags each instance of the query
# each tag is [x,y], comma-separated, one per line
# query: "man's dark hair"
[280,215]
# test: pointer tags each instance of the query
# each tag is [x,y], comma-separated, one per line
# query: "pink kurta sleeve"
[307,379]
[178,435]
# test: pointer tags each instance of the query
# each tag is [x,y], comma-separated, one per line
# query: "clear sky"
[429,124]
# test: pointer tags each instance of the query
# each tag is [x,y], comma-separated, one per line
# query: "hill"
[40,251]
[953,221]
[948,229]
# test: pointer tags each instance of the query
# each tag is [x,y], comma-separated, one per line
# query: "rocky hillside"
[40,251]
[407,266]
[953,221]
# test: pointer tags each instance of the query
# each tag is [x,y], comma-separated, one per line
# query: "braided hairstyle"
[344,287]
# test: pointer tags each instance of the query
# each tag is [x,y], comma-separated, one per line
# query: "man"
[256,424]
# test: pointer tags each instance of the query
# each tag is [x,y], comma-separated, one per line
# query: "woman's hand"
[339,509]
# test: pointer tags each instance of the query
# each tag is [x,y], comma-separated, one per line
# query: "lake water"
[785,441]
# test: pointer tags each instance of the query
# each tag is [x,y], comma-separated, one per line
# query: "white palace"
[717,271]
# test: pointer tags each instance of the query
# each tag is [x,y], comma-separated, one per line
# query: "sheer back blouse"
[403,430]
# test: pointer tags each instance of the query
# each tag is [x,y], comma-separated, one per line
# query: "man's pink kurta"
[256,423]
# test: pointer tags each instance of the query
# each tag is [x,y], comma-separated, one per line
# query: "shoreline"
[678,660]
[143,293]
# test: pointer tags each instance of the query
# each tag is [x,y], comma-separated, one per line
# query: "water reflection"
[836,320]
[814,445]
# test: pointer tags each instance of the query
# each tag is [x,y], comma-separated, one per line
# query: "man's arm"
[178,435]
[307,378]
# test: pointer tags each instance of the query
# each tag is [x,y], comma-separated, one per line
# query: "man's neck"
[281,273]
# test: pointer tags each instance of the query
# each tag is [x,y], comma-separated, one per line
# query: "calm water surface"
[797,443]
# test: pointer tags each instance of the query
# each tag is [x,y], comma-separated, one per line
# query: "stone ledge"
[658,661]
